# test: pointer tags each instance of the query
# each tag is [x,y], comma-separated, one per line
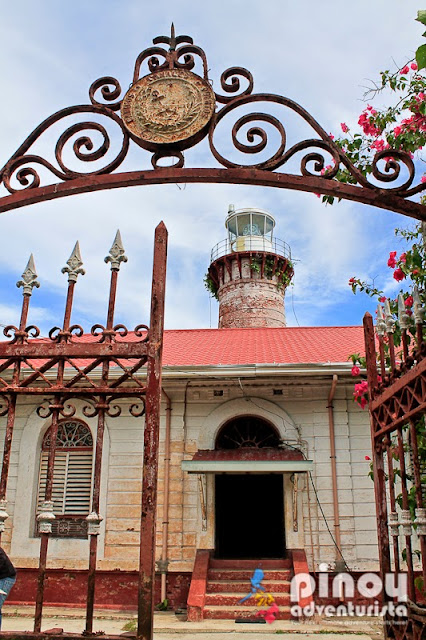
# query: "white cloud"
[315,53]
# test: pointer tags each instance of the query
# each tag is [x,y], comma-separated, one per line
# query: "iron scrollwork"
[321,158]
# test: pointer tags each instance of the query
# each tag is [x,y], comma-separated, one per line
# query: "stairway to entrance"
[219,585]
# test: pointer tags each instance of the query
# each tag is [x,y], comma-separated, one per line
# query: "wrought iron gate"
[110,364]
[165,112]
[397,409]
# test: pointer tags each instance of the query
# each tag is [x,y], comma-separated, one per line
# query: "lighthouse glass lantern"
[249,229]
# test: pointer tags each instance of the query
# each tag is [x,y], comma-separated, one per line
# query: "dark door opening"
[249,516]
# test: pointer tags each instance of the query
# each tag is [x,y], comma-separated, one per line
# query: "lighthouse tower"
[249,271]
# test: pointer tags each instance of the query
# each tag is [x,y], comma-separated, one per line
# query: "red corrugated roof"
[290,345]
[253,346]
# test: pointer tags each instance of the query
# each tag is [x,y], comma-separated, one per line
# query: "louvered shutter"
[59,480]
[78,483]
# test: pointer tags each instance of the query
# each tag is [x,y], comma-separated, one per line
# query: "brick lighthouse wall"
[250,300]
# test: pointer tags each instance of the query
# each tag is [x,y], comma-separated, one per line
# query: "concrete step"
[245,574]
[223,612]
[232,599]
[268,563]
[271,586]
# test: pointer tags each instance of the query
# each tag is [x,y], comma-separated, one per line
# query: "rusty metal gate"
[108,366]
[397,409]
[165,112]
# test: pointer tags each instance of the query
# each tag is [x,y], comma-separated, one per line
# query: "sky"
[321,55]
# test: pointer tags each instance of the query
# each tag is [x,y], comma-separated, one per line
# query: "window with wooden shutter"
[72,478]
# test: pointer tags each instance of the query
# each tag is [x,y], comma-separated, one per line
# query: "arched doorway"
[249,507]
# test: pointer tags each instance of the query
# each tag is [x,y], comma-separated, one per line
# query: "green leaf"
[421,16]
[421,56]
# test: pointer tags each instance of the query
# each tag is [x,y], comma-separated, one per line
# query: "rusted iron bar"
[83,391]
[404,344]
[116,256]
[406,508]
[12,397]
[378,464]
[93,550]
[419,335]
[419,490]
[47,498]
[45,350]
[311,184]
[414,414]
[391,475]
[45,525]
[151,440]
[392,351]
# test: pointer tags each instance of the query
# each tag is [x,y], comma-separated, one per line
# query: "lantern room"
[249,229]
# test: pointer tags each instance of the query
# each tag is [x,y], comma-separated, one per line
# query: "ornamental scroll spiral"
[20,166]
[257,139]
[252,134]
[20,336]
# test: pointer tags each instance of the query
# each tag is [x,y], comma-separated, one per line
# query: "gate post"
[379,474]
[151,439]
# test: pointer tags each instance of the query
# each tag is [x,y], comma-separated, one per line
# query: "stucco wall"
[298,413]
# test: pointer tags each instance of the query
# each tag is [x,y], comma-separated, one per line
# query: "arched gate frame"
[166,111]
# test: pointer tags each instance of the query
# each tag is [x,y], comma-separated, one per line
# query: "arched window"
[72,478]
[247,431]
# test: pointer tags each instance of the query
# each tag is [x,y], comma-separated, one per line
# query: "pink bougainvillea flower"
[362,402]
[330,135]
[367,458]
[405,70]
[397,131]
[352,281]
[360,389]
[403,257]
[392,260]
[366,121]
[409,312]
[318,195]
[399,275]
[382,299]
[369,107]
[379,145]
[379,378]
[355,371]
[344,126]
[409,301]
[415,272]
[423,178]
[414,66]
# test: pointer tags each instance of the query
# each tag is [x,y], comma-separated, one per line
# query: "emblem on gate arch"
[170,107]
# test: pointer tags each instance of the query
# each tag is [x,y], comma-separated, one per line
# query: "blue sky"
[319,54]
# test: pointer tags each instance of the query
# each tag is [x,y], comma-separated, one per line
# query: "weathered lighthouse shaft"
[250,271]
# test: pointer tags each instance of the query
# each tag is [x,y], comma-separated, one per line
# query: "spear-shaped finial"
[380,323]
[417,306]
[403,317]
[172,38]
[29,278]
[116,253]
[389,319]
[74,263]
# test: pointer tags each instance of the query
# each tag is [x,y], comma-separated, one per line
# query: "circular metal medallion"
[168,107]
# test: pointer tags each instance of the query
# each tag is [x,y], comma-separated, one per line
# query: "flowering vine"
[401,126]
